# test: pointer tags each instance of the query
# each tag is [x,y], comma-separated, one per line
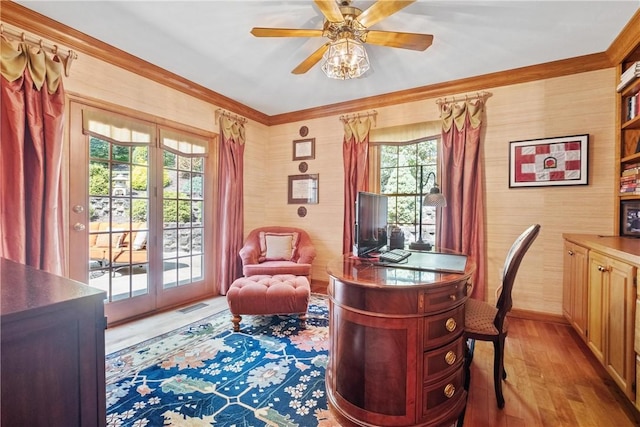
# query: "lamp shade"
[345,59]
[435,198]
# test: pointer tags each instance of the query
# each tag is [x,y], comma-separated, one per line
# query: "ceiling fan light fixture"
[345,58]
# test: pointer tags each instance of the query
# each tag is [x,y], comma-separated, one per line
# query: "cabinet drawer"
[442,395]
[443,361]
[443,298]
[443,328]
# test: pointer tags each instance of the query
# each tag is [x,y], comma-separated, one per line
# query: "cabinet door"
[620,360]
[597,303]
[575,287]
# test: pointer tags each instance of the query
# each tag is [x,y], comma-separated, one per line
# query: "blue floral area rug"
[272,373]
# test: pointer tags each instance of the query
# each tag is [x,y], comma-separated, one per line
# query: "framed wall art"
[549,161]
[304,149]
[303,189]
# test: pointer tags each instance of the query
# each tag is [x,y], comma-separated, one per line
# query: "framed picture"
[549,161]
[303,189]
[304,149]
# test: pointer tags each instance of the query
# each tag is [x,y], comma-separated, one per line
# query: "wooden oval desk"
[396,355]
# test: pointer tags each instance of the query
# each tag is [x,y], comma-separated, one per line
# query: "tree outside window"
[400,182]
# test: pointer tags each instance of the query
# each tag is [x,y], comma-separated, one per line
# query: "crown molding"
[42,26]
[627,40]
[30,21]
[547,70]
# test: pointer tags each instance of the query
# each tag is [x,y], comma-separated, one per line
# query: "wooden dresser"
[51,350]
[396,351]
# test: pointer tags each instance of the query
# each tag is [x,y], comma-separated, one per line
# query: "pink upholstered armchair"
[277,250]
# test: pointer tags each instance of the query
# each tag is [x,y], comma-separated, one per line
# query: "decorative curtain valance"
[358,128]
[405,134]
[185,145]
[116,128]
[41,67]
[457,113]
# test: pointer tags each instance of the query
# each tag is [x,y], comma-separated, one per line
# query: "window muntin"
[400,181]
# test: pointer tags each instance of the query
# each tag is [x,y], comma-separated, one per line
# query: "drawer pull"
[451,324]
[453,297]
[450,358]
[449,390]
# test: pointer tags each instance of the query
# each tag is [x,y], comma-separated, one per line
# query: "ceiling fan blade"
[311,60]
[285,32]
[411,41]
[380,10]
[330,10]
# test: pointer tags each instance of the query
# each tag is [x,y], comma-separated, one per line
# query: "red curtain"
[355,152]
[230,224]
[462,222]
[31,135]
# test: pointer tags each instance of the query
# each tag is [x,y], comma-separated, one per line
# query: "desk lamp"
[436,199]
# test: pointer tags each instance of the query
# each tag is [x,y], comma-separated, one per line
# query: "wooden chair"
[487,323]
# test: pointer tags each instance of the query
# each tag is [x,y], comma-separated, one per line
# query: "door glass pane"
[118,196]
[182,219]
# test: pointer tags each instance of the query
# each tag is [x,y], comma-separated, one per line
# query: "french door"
[138,214]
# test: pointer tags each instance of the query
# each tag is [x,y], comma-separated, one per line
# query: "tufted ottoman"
[279,294]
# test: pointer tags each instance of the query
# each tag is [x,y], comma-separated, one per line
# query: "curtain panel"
[355,151]
[230,226]
[462,225]
[31,135]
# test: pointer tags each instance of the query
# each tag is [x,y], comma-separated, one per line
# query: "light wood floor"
[552,378]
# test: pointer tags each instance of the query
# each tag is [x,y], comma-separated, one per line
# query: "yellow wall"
[577,104]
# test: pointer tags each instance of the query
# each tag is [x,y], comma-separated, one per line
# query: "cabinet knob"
[449,390]
[453,297]
[450,358]
[602,268]
[571,253]
[450,324]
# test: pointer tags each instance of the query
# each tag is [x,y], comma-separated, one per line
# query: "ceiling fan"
[346,23]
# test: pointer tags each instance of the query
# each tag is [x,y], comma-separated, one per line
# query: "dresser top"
[24,288]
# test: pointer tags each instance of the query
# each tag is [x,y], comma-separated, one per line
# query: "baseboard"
[537,316]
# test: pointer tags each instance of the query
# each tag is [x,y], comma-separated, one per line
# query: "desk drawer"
[443,298]
[443,328]
[443,361]
[444,394]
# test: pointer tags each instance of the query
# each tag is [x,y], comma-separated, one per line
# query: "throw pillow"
[140,242]
[104,240]
[263,244]
[279,247]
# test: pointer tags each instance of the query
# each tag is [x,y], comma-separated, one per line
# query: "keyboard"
[394,255]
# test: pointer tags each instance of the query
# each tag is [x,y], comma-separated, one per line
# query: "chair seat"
[479,317]
[272,268]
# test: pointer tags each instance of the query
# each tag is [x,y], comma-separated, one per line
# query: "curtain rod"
[345,118]
[479,95]
[66,58]
[221,112]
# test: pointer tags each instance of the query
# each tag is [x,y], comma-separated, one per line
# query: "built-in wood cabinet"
[610,281]
[575,289]
[612,300]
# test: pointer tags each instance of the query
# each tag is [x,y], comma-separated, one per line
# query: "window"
[144,191]
[400,166]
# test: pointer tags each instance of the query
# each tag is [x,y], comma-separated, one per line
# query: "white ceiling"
[208,42]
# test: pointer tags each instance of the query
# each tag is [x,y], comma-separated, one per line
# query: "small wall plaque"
[303,166]
[304,149]
[302,211]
